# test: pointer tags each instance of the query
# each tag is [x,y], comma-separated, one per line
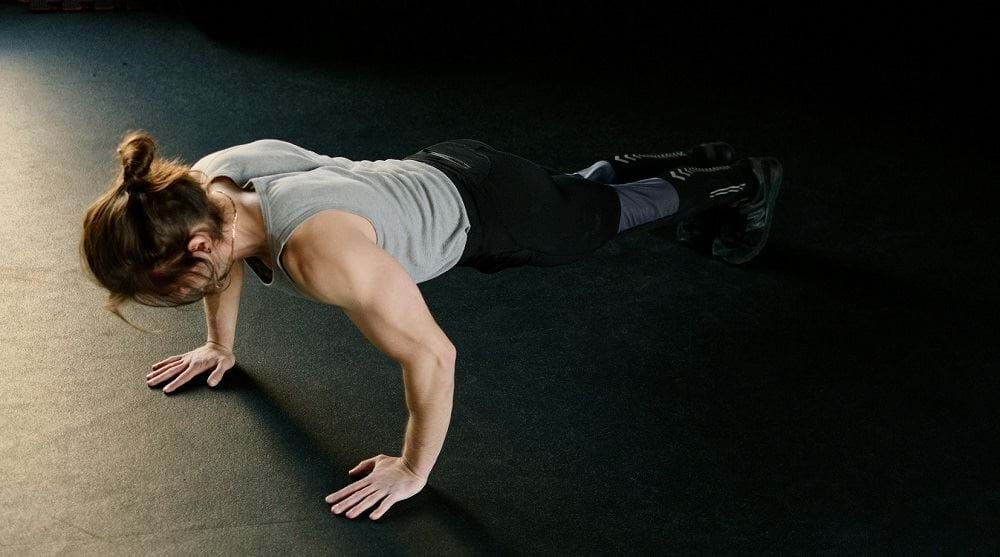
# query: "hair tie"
[131,185]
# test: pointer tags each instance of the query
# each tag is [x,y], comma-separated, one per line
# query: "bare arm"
[222,309]
[380,297]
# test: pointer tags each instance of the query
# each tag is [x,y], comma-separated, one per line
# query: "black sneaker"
[714,153]
[700,230]
[744,225]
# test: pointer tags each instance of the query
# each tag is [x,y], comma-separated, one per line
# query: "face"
[200,278]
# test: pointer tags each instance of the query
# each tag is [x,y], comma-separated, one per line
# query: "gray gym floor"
[838,395]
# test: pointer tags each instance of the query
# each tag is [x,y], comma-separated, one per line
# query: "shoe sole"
[770,173]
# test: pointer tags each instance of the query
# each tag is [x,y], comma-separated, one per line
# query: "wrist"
[413,470]
[219,344]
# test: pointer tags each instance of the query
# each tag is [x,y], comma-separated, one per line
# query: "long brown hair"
[135,235]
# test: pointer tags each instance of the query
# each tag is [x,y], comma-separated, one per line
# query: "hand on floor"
[390,478]
[185,366]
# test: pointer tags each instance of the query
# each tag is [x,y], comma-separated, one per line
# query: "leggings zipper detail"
[451,159]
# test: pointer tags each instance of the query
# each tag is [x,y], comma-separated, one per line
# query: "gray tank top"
[416,210]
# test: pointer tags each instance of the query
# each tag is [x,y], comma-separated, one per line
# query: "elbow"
[449,355]
[429,378]
[443,364]
[441,352]
[446,362]
[439,359]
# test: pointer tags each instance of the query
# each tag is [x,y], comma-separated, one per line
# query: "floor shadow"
[317,466]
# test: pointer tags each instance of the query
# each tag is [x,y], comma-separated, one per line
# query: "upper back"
[263,157]
[407,208]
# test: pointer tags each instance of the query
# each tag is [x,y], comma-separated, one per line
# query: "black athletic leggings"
[522,213]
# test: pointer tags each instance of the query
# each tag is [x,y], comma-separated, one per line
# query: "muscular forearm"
[430,388]
[222,309]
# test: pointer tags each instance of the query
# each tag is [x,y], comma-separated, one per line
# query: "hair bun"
[136,152]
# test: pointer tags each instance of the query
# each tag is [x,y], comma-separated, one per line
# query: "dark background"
[907,64]
[836,395]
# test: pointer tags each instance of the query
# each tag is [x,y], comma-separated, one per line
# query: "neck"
[251,234]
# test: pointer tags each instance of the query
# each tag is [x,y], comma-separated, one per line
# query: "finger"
[337,496]
[350,501]
[181,379]
[167,374]
[367,503]
[170,369]
[364,466]
[165,368]
[156,372]
[386,503]
[167,361]
[216,375]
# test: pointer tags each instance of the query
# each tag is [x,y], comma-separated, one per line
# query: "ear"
[199,241]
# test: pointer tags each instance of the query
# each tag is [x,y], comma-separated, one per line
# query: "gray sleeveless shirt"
[417,212]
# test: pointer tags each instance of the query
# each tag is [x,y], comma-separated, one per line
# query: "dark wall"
[931,64]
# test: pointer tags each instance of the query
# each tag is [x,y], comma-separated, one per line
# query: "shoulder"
[329,253]
[330,229]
